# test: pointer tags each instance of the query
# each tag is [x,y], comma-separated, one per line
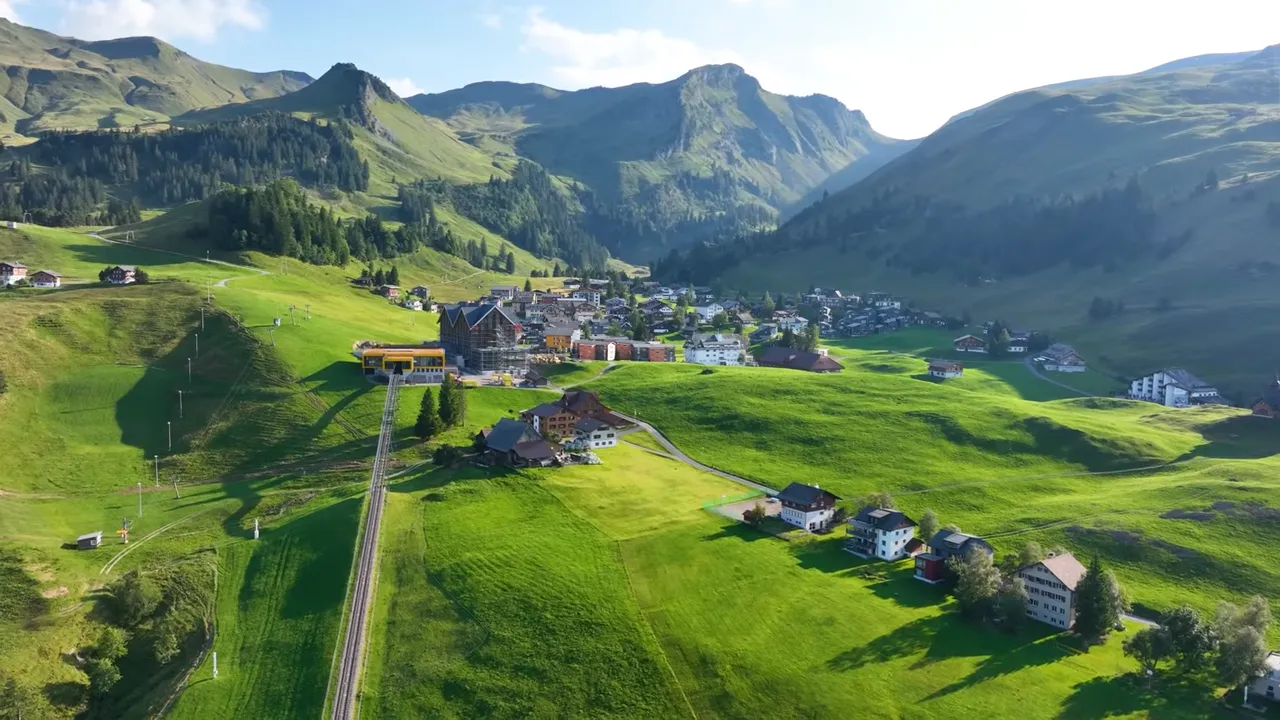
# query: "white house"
[715,349]
[595,434]
[1019,342]
[882,533]
[789,321]
[1268,686]
[1062,358]
[591,296]
[943,370]
[1051,589]
[503,292]
[412,304]
[46,279]
[1173,388]
[708,312]
[807,506]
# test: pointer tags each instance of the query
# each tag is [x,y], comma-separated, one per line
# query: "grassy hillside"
[53,82]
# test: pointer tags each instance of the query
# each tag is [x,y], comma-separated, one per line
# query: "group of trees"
[806,340]
[529,210]
[1233,644]
[183,164]
[452,410]
[55,199]
[378,277]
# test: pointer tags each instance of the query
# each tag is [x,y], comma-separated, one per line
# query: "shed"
[90,541]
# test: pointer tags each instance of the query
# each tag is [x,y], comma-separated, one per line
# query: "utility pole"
[198,334]
[179,404]
[201,317]
[215,665]
[176,494]
[188,371]
[157,470]
[170,424]
[272,333]
[308,311]
[139,499]
[291,320]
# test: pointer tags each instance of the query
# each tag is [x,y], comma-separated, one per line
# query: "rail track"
[351,661]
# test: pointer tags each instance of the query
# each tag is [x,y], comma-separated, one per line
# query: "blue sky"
[908,64]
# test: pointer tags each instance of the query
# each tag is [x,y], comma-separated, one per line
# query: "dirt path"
[674,452]
[221,283]
[593,378]
[111,564]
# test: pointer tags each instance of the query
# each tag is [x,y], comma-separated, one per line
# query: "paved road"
[1031,366]
[221,283]
[351,661]
[677,454]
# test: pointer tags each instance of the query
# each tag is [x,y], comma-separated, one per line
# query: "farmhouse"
[122,274]
[413,304]
[1019,342]
[89,541]
[945,370]
[1051,585]
[390,292]
[11,271]
[1062,358]
[807,506]
[514,444]
[715,349]
[46,279]
[931,565]
[781,357]
[562,416]
[483,336]
[1173,388]
[421,291]
[1268,686]
[882,533]
[1268,405]
[970,344]
[419,364]
[533,378]
[593,433]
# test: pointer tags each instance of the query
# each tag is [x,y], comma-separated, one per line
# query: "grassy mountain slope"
[1169,130]
[399,143]
[666,143]
[51,82]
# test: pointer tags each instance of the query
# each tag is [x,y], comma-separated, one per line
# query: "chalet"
[122,274]
[584,312]
[560,338]
[782,357]
[767,331]
[945,370]
[970,344]
[11,271]
[484,337]
[1173,388]
[514,444]
[89,541]
[421,291]
[412,304]
[389,291]
[882,533]
[549,418]
[1267,685]
[1268,405]
[1019,342]
[786,320]
[1051,589]
[46,279]
[561,417]
[931,565]
[535,379]
[807,506]
[1062,358]
[503,292]
[715,349]
[595,434]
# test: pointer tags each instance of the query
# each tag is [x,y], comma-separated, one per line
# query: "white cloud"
[168,19]
[404,87]
[491,20]
[7,12]
[619,57]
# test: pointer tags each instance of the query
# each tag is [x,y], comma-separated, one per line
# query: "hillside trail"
[221,283]
[1031,366]
[593,378]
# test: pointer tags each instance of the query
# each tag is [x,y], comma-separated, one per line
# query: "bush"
[134,599]
[446,455]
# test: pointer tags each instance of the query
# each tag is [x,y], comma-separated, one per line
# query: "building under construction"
[483,337]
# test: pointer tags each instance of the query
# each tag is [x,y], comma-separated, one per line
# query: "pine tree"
[767,306]
[528,284]
[429,423]
[453,403]
[555,271]
[1097,603]
[511,263]
[379,278]
[393,277]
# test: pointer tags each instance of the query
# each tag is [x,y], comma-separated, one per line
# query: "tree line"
[529,210]
[60,200]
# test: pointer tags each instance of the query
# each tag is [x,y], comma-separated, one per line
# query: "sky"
[908,64]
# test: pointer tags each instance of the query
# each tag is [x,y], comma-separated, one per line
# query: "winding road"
[1031,367]
[676,453]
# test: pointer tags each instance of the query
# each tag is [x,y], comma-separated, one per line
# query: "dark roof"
[797,360]
[12,263]
[579,400]
[508,433]
[590,425]
[535,450]
[561,329]
[47,272]
[545,410]
[946,543]
[802,494]
[884,518]
[90,536]
[1186,380]
[473,314]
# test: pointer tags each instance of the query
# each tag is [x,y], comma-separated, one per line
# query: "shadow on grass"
[65,694]
[1243,437]
[738,531]
[914,637]
[108,254]
[902,588]
[1002,661]
[1130,694]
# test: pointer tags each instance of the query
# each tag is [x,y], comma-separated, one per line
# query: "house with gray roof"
[884,533]
[515,444]
[931,565]
[807,506]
